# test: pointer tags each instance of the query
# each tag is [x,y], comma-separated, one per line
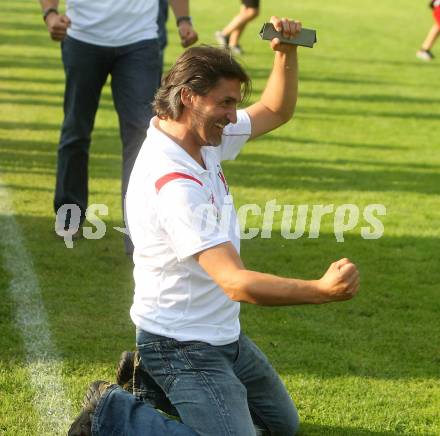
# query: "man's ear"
[186,96]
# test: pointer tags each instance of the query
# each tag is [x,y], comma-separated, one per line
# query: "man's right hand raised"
[340,282]
[57,26]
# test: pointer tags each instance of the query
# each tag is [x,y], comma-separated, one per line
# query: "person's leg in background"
[135,79]
[425,53]
[269,402]
[86,69]
[247,14]
[230,35]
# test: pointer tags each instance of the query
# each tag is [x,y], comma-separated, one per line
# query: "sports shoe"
[425,55]
[221,39]
[236,50]
[125,370]
[82,426]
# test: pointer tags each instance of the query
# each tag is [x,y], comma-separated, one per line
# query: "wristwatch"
[49,11]
[183,18]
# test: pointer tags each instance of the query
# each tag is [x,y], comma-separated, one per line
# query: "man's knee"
[284,423]
[286,429]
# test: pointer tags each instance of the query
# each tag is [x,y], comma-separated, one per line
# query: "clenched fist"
[340,282]
[188,35]
[57,26]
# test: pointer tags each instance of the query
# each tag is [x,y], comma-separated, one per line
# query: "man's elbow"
[238,289]
[286,114]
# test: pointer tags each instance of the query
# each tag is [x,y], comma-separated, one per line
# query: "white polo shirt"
[174,210]
[112,23]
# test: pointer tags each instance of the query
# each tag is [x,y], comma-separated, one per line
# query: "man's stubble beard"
[202,123]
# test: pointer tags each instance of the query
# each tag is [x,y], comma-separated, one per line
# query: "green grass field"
[366,130]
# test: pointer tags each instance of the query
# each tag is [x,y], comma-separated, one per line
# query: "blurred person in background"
[425,53]
[229,37]
[99,39]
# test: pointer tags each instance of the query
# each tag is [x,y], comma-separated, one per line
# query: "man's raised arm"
[277,103]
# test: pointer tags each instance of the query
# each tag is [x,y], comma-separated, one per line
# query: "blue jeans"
[118,413]
[219,390]
[162,18]
[135,70]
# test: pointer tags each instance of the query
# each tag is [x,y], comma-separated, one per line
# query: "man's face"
[212,112]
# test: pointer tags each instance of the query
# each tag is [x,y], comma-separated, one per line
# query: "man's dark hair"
[198,69]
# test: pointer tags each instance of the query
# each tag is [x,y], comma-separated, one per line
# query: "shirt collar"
[171,148]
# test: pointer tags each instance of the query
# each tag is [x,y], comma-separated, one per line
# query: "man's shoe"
[221,39]
[425,55]
[236,50]
[82,426]
[125,370]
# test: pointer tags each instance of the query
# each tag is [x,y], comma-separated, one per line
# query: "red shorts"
[436,13]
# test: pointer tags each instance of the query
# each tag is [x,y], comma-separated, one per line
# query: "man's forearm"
[281,91]
[46,4]
[270,290]
[180,7]
[224,265]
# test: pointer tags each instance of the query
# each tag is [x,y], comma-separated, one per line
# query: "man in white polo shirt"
[98,39]
[189,277]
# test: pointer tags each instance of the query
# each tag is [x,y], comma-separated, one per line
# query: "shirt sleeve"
[235,136]
[189,219]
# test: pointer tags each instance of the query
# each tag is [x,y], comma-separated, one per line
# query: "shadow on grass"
[32,80]
[250,170]
[374,61]
[31,97]
[21,25]
[30,101]
[263,73]
[370,98]
[19,125]
[254,170]
[30,93]
[325,143]
[39,157]
[47,63]
[33,39]
[33,92]
[342,112]
[18,6]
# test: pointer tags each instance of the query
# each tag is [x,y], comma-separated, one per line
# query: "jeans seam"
[203,377]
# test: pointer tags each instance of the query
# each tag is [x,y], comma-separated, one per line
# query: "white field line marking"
[43,362]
